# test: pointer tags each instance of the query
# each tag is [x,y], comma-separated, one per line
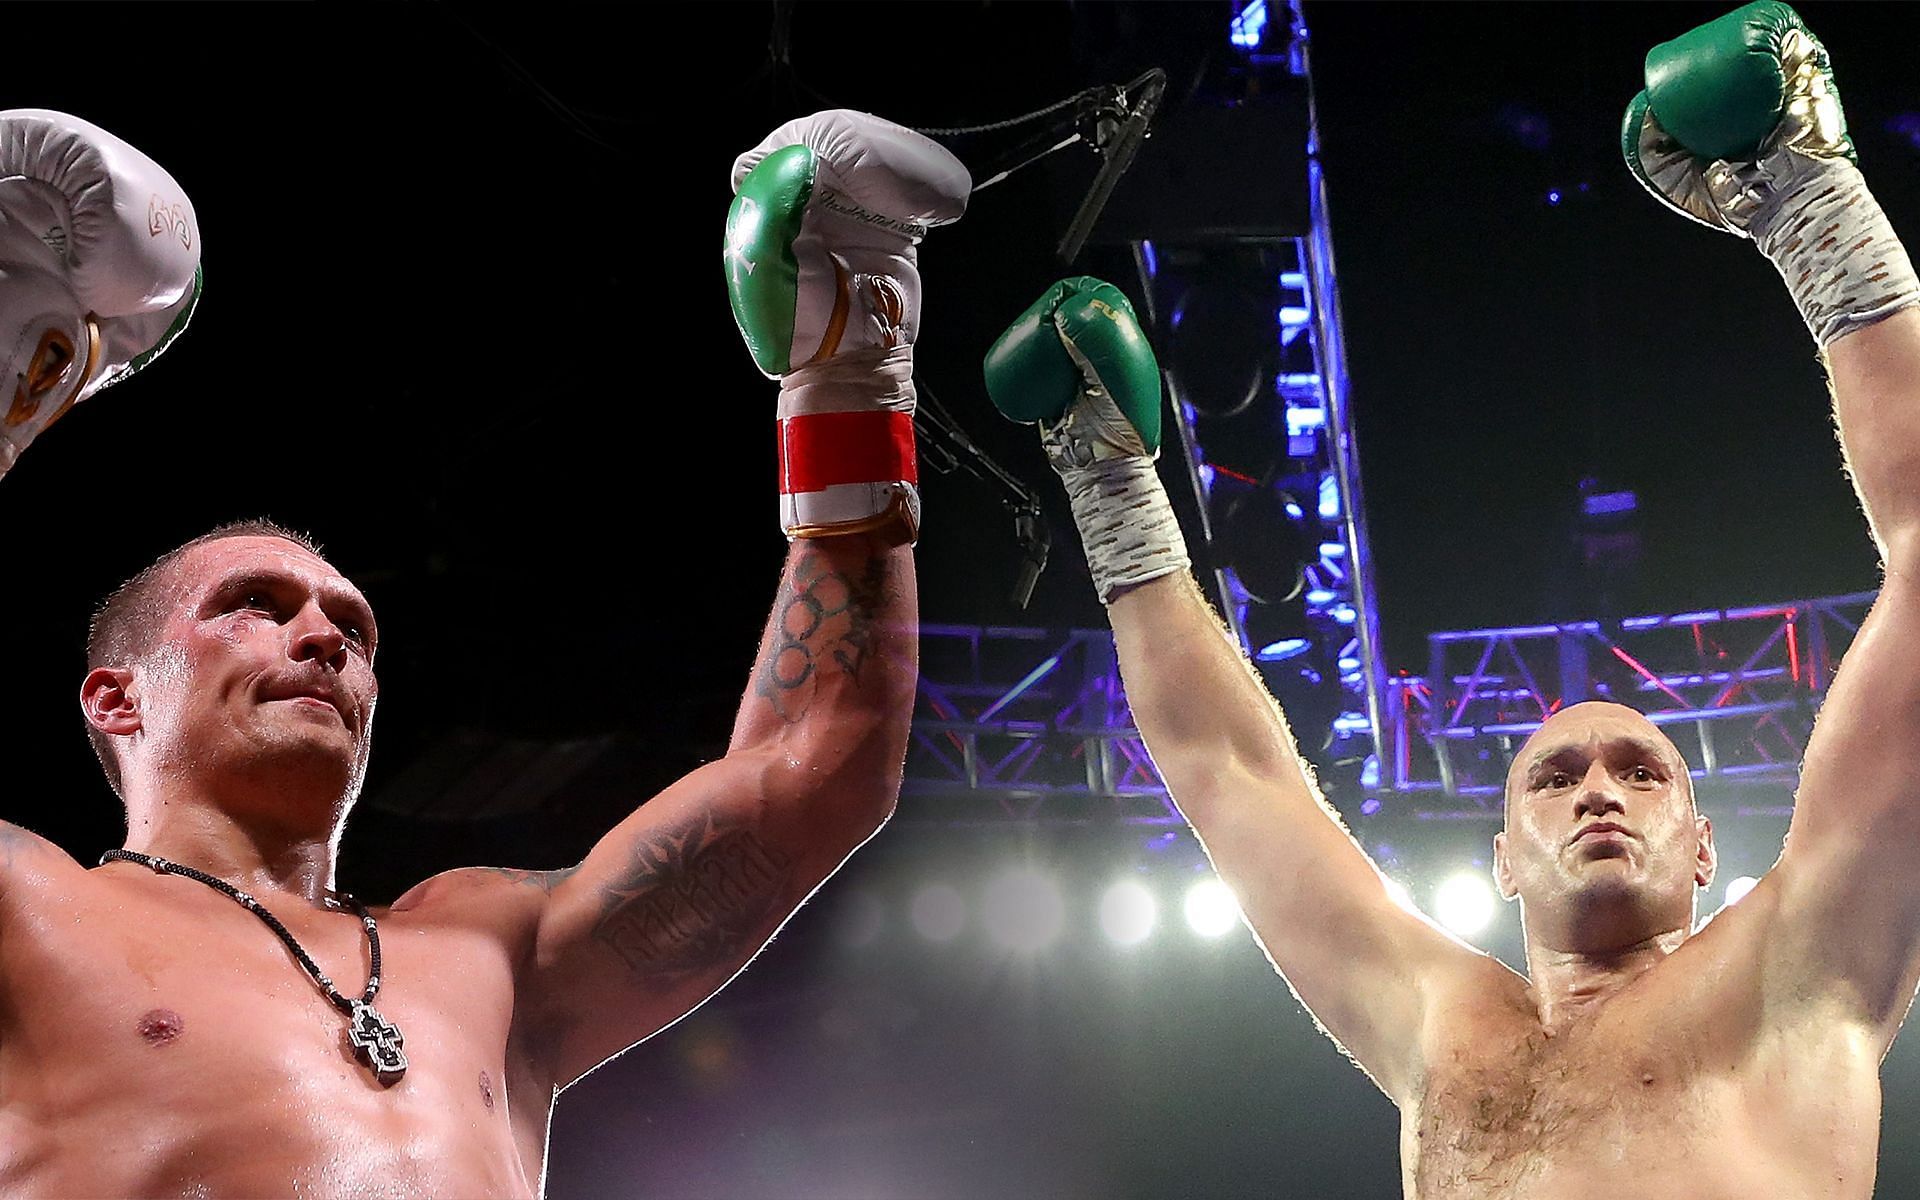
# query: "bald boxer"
[204,1015]
[1637,1057]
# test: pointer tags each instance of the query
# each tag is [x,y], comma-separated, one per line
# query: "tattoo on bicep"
[696,895]
[826,612]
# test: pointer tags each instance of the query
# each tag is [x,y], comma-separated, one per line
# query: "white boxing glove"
[820,260]
[99,267]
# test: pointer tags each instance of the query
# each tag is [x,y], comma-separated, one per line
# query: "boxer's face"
[1602,841]
[264,666]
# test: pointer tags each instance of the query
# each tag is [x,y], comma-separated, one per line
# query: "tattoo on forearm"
[826,613]
[695,896]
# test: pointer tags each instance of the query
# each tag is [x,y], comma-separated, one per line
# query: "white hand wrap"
[1125,522]
[1832,244]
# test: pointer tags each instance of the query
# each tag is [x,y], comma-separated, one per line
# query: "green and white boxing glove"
[1077,364]
[821,271]
[99,267]
[1740,127]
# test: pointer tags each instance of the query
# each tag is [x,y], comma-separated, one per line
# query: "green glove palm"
[1734,113]
[1077,363]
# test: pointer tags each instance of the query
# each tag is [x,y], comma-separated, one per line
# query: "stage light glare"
[1464,903]
[1022,910]
[1128,913]
[1210,908]
[1738,887]
[1401,895]
[939,914]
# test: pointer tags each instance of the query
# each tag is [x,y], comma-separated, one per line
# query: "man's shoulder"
[32,871]
[498,898]
[25,856]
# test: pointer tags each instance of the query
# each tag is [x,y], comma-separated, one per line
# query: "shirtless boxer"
[158,1036]
[1638,1058]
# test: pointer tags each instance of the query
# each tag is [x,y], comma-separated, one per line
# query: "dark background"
[464,320]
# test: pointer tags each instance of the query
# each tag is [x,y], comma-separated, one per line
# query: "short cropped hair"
[126,624]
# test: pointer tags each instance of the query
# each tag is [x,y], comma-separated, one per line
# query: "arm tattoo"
[546,881]
[694,897]
[828,613]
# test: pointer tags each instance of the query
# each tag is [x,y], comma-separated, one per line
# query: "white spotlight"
[1739,886]
[1023,910]
[1127,913]
[1211,909]
[939,913]
[1401,896]
[1464,903]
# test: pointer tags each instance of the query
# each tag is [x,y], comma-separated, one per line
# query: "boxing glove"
[822,275]
[99,267]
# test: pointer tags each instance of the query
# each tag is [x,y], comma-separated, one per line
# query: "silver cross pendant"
[377,1041]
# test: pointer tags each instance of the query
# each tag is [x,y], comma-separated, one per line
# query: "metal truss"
[1736,689]
[1026,724]
[1327,667]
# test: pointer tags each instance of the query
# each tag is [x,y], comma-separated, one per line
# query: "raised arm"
[1077,362]
[1846,876]
[1741,129]
[819,257]
[675,900]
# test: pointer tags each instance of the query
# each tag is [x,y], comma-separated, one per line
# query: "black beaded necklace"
[376,1040]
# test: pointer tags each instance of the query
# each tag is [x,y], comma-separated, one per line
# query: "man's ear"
[1706,860]
[108,703]
[1502,869]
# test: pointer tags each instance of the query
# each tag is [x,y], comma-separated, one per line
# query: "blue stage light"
[1249,25]
[1283,649]
[1601,503]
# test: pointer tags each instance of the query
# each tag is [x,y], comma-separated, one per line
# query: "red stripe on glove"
[819,450]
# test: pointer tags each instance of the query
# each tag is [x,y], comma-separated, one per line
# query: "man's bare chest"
[1699,1093]
[177,999]
[190,1038]
[1501,1108]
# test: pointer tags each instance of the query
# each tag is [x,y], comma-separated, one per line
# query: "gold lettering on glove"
[164,218]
